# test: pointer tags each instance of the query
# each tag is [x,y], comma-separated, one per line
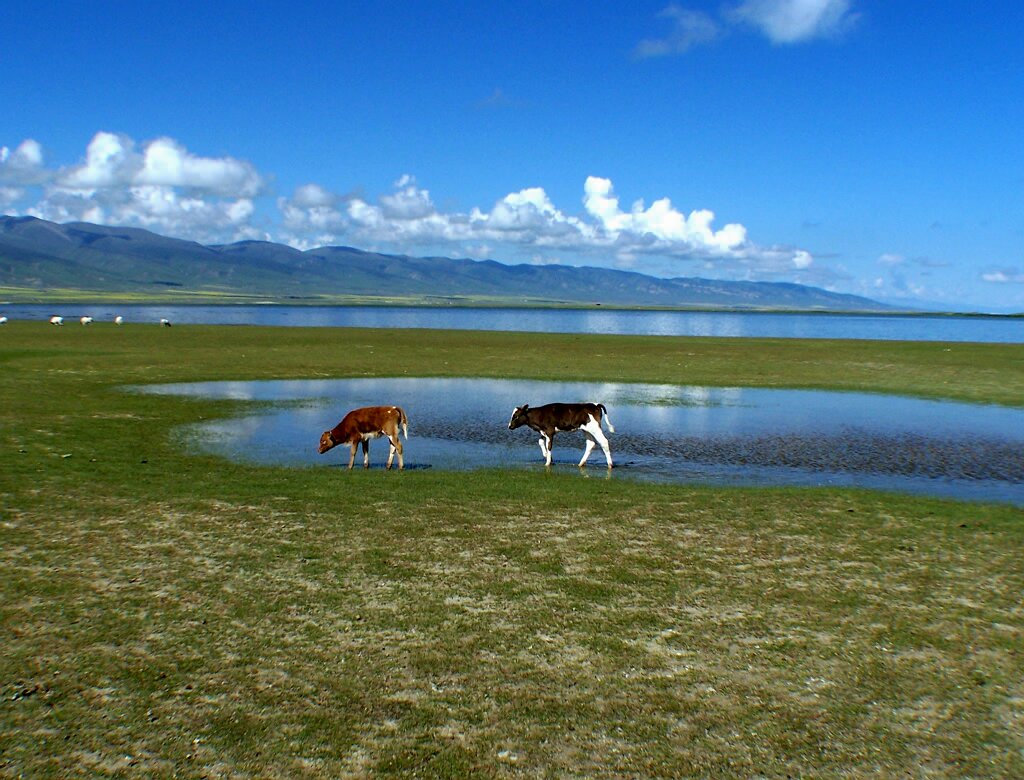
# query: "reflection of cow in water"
[361,425]
[551,418]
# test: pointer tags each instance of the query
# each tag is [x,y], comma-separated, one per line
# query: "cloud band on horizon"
[162,186]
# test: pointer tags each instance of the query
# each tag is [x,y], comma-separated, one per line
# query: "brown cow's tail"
[404,421]
[606,418]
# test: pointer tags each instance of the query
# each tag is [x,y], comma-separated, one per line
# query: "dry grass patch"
[687,633]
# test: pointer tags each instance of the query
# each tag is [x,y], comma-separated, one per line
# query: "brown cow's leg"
[395,445]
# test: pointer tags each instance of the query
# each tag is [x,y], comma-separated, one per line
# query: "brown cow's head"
[326,442]
[518,417]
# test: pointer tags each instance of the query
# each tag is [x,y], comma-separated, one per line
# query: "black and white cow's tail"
[606,418]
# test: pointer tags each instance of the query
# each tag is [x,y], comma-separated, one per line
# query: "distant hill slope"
[38,254]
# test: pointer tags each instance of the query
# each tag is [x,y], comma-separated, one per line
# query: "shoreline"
[72,297]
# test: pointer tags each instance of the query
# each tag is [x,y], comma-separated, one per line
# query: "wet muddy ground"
[663,433]
[850,450]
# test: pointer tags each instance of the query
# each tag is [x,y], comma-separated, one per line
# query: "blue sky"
[862,146]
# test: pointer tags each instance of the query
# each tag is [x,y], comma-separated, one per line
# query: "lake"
[593,320]
[665,433]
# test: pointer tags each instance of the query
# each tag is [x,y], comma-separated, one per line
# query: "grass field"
[167,614]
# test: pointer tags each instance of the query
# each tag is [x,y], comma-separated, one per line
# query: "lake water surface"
[593,320]
[668,433]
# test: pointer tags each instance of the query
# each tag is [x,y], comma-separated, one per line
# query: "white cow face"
[518,417]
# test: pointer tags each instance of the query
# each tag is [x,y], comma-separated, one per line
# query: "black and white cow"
[551,418]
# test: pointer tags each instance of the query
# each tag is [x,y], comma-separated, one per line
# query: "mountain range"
[38,255]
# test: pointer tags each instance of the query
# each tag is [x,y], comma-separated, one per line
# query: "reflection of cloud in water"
[663,432]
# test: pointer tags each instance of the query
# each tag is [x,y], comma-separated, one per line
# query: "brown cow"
[361,425]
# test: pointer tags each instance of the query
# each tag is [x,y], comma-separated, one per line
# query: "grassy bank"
[166,614]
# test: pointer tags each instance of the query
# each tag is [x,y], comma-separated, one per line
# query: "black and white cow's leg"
[545,441]
[587,449]
[593,431]
[366,453]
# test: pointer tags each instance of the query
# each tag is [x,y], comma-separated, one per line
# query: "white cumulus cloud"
[22,165]
[111,160]
[166,163]
[528,217]
[529,222]
[313,196]
[312,210]
[670,229]
[802,259]
[158,184]
[408,202]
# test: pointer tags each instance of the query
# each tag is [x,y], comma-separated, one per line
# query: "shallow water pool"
[663,432]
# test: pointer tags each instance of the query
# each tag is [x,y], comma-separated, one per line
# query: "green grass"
[167,614]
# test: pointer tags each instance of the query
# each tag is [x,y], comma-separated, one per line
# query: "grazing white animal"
[86,320]
[118,319]
[165,322]
[56,319]
[3,320]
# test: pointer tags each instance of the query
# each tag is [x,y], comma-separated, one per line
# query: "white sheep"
[56,319]
[118,319]
[86,320]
